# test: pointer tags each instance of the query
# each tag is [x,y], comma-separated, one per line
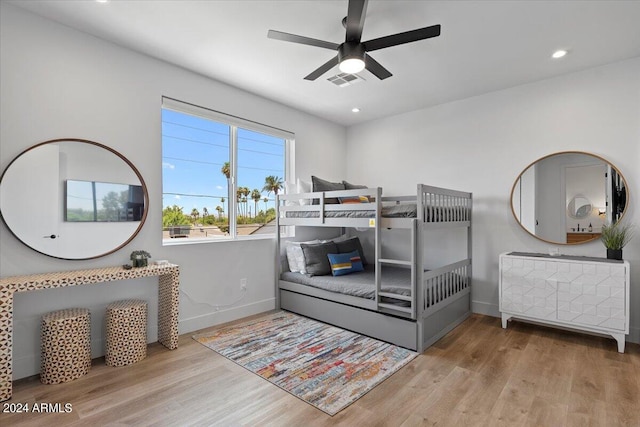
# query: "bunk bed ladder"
[411,310]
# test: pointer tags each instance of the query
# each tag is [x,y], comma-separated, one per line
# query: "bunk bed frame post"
[417,266]
[470,246]
[416,254]
[378,244]
[277,260]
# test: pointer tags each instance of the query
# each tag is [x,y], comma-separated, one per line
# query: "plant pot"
[140,262]
[614,254]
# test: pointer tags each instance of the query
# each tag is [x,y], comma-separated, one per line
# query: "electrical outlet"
[243,284]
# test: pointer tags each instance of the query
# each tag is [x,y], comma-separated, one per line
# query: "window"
[220,174]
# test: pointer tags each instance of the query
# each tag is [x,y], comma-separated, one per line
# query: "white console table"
[168,300]
[589,294]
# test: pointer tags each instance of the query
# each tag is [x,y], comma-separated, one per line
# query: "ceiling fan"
[352,55]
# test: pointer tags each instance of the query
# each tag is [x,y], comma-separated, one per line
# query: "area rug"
[325,366]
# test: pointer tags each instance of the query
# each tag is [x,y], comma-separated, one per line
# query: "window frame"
[234,123]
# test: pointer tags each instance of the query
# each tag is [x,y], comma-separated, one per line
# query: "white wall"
[482,144]
[57,82]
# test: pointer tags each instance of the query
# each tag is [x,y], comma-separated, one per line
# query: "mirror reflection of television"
[91,201]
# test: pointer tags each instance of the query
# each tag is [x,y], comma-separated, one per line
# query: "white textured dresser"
[589,294]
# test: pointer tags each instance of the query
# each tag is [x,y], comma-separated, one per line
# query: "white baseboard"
[217,317]
[26,366]
[485,308]
[634,335]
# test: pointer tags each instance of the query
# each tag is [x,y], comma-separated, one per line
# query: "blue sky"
[194,150]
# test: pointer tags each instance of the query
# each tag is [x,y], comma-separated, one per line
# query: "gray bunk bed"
[394,300]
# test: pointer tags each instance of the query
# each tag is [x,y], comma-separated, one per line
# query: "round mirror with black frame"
[73,199]
[566,197]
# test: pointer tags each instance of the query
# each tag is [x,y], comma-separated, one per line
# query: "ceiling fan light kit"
[351,65]
[352,56]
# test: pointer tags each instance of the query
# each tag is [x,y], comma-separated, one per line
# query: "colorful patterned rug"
[325,366]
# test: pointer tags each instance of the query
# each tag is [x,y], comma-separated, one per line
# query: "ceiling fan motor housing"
[351,50]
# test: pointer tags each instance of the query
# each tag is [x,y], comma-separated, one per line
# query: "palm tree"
[220,209]
[265,200]
[256,196]
[226,170]
[243,200]
[273,184]
[205,213]
[195,214]
[245,194]
[239,200]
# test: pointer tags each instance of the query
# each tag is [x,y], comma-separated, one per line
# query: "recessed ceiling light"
[355,110]
[102,1]
[559,54]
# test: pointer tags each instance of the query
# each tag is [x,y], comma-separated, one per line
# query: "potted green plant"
[140,258]
[615,237]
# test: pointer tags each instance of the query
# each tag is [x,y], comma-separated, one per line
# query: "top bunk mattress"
[404,210]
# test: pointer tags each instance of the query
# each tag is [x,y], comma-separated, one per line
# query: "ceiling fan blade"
[375,68]
[355,20]
[293,38]
[402,38]
[323,68]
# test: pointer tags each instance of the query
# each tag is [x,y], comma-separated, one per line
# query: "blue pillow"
[346,263]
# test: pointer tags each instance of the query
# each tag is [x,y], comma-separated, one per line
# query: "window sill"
[186,241]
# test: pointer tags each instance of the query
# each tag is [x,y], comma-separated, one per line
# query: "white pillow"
[304,187]
[295,256]
[340,238]
[290,188]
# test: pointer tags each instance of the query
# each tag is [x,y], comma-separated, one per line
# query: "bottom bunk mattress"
[396,280]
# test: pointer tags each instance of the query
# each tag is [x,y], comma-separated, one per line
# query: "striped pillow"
[353,199]
[346,263]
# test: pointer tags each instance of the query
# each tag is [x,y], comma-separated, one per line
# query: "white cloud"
[177,197]
[219,187]
[167,165]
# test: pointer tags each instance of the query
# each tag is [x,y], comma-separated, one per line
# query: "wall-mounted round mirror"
[73,199]
[565,198]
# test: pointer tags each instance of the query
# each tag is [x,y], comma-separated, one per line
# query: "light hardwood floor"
[478,375]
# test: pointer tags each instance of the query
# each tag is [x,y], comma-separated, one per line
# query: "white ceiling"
[484,46]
